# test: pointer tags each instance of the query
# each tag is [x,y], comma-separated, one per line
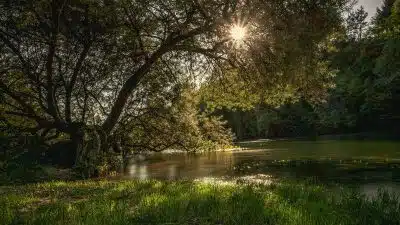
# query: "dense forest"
[363,68]
[84,83]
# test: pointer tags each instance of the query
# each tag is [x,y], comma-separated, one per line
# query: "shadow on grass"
[187,202]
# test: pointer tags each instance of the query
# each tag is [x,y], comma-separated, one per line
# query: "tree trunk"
[87,146]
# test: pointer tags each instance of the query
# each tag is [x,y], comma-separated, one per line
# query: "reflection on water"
[182,166]
[138,171]
[370,165]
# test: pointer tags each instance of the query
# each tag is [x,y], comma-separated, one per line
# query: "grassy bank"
[155,202]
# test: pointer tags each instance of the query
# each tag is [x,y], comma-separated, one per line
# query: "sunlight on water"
[344,162]
[132,170]
[172,172]
[138,171]
[143,172]
[256,141]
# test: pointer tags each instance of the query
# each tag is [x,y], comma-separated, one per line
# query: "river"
[367,165]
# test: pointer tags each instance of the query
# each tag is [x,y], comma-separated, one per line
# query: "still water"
[369,165]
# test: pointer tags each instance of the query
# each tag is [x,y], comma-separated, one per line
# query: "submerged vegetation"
[184,202]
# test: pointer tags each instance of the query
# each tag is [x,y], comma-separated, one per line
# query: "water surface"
[368,165]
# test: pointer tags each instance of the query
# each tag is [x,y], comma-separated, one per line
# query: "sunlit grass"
[185,202]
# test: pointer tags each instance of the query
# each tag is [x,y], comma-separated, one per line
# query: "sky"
[370,6]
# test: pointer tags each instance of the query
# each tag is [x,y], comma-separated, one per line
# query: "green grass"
[185,202]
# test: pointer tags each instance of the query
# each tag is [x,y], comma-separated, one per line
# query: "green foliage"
[283,58]
[173,121]
[367,80]
[21,159]
[68,67]
[357,23]
[362,63]
[382,17]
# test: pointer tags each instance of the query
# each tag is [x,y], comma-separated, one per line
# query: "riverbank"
[371,136]
[185,202]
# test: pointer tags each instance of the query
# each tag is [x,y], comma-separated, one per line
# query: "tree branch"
[70,86]
[17,98]
[133,81]
[50,89]
[25,65]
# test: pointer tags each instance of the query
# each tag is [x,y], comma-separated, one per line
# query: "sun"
[238,33]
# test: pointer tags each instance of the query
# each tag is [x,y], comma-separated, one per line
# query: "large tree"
[70,64]
[74,66]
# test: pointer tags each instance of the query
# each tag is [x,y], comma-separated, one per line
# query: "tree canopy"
[137,72]
[362,96]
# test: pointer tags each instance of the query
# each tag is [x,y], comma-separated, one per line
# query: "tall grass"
[185,202]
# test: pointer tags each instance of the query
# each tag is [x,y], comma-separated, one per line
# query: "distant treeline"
[364,97]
